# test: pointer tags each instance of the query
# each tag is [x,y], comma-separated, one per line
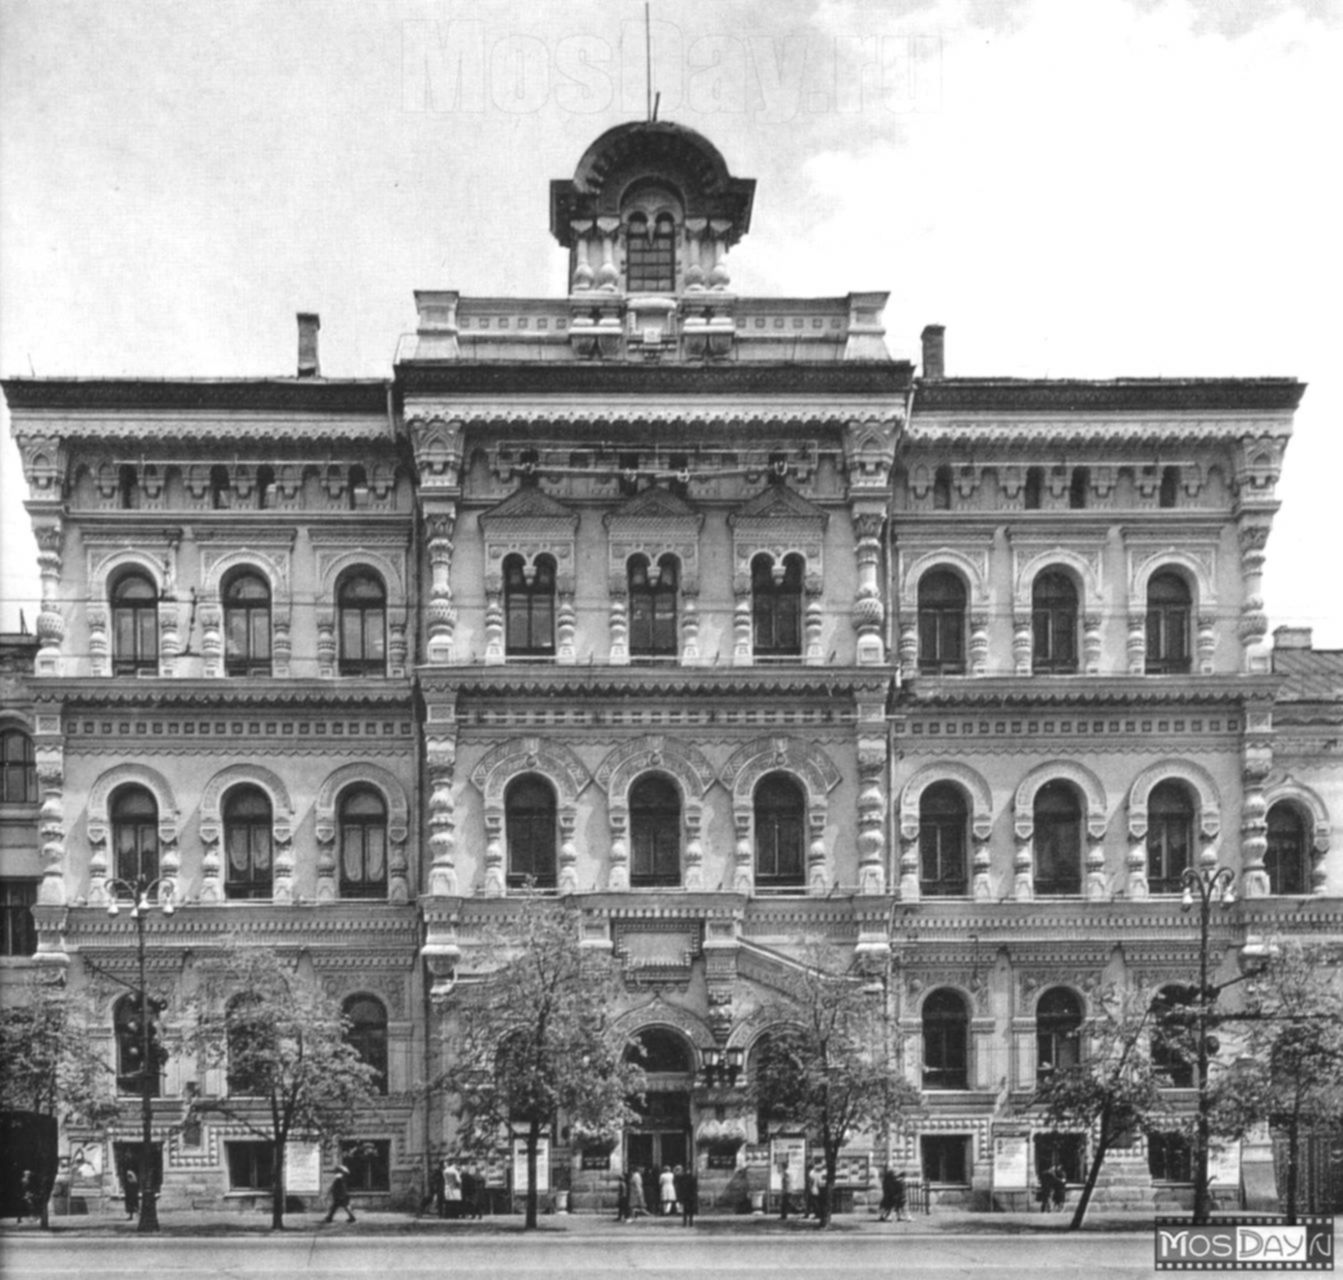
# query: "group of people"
[677,1192]
[894,1196]
[1053,1189]
[454,1192]
[814,1190]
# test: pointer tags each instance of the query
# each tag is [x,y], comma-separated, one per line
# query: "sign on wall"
[303,1168]
[790,1153]
[520,1165]
[1011,1160]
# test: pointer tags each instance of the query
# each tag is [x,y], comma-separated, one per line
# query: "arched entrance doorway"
[660,1138]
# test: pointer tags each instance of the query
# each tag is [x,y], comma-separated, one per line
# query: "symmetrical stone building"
[704,612]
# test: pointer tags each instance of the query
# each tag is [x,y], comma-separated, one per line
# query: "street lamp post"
[143,897]
[1202,889]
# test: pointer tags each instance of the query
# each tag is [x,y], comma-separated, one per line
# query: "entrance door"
[661,1139]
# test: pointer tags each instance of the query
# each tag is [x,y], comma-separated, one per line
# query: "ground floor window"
[251,1166]
[126,1156]
[1063,1151]
[946,1157]
[1170,1158]
[369,1162]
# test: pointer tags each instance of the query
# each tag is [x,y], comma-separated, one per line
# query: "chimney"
[934,350]
[1291,637]
[308,324]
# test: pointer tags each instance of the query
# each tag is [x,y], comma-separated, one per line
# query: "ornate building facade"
[706,613]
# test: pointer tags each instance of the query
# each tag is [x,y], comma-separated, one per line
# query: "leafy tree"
[829,1066]
[1113,1091]
[532,1035]
[292,1073]
[1292,1074]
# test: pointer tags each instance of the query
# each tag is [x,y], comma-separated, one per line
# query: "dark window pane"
[530,819]
[19,936]
[1287,859]
[942,839]
[780,815]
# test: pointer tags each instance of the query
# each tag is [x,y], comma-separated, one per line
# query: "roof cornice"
[88,691]
[1074,395]
[1090,691]
[314,395]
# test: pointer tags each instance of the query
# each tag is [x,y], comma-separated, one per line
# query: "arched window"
[661,1051]
[18,768]
[128,487]
[367,1034]
[780,836]
[357,484]
[1058,840]
[1058,1031]
[529,608]
[361,603]
[1170,836]
[1054,622]
[941,623]
[1078,487]
[652,594]
[128,1028]
[776,606]
[942,489]
[1168,611]
[650,254]
[942,826]
[363,843]
[655,833]
[946,1041]
[529,808]
[265,484]
[1287,859]
[135,834]
[1035,486]
[1170,486]
[1174,1051]
[247,843]
[135,625]
[246,625]
[251,1043]
[221,489]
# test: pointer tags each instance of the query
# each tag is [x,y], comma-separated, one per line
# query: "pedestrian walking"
[340,1195]
[687,1192]
[786,1182]
[623,1200]
[435,1196]
[667,1191]
[130,1189]
[1058,1188]
[452,1190]
[887,1193]
[900,1197]
[637,1205]
[814,1185]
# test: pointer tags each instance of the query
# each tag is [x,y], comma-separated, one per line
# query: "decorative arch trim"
[1034,992]
[661,1015]
[1083,779]
[1082,570]
[972,569]
[102,573]
[972,783]
[216,570]
[398,807]
[121,775]
[334,565]
[654,753]
[212,797]
[1192,775]
[398,829]
[751,762]
[1308,801]
[508,760]
[920,998]
[1195,569]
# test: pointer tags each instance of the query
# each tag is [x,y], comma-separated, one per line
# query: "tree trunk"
[533,1137]
[1093,1173]
[825,1210]
[277,1188]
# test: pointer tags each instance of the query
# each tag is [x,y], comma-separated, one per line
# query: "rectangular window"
[946,1158]
[251,1166]
[369,1163]
[1065,1152]
[1170,1157]
[18,898]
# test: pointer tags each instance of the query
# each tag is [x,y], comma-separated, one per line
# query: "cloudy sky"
[1117,187]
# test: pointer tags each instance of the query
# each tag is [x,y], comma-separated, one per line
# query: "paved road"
[311,1256]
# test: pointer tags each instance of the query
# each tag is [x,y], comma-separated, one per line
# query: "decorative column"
[743,870]
[869,611]
[1207,643]
[397,645]
[1023,861]
[212,639]
[494,853]
[326,645]
[50,624]
[1095,888]
[566,620]
[441,615]
[872,798]
[1253,625]
[211,833]
[1022,638]
[282,868]
[607,276]
[742,654]
[981,859]
[325,833]
[100,643]
[1256,762]
[567,878]
[281,644]
[979,644]
[818,873]
[694,271]
[1091,644]
[49,750]
[441,760]
[620,626]
[909,859]
[718,273]
[694,849]
[909,648]
[813,619]
[1137,643]
[494,627]
[170,644]
[618,875]
[582,229]
[690,654]
[1136,888]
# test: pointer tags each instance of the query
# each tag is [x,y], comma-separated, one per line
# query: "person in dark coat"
[786,1183]
[687,1192]
[435,1196]
[1058,1188]
[340,1195]
[623,1199]
[887,1193]
[899,1198]
[130,1187]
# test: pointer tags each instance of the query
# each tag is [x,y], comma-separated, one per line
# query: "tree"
[828,1066]
[1292,1074]
[50,1063]
[1113,1091]
[532,1036]
[292,1072]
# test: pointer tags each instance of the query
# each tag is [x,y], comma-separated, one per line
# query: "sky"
[1114,188]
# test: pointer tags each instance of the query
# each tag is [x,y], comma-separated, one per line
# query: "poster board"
[303,1168]
[793,1153]
[520,1165]
[1224,1172]
[1011,1160]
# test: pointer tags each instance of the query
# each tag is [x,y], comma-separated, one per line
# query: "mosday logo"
[1245,1244]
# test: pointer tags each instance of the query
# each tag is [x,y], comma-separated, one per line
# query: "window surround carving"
[1084,568]
[973,568]
[99,827]
[1208,821]
[980,797]
[212,831]
[104,568]
[1318,830]
[398,829]
[271,560]
[1199,570]
[389,563]
[1093,828]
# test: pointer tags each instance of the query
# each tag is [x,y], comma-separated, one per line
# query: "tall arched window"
[1058,840]
[530,817]
[1054,622]
[650,254]
[1287,859]
[220,488]
[128,487]
[367,1034]
[942,825]
[946,1037]
[655,833]
[1170,487]
[18,768]
[529,608]
[661,1052]
[361,603]
[1170,836]
[247,843]
[1078,487]
[941,623]
[1174,1052]
[246,597]
[135,624]
[1058,1031]
[265,487]
[776,606]
[1035,485]
[135,834]
[652,595]
[128,1029]
[780,833]
[1168,613]
[942,489]
[363,843]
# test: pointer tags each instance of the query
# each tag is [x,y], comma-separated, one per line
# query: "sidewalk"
[208,1223]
